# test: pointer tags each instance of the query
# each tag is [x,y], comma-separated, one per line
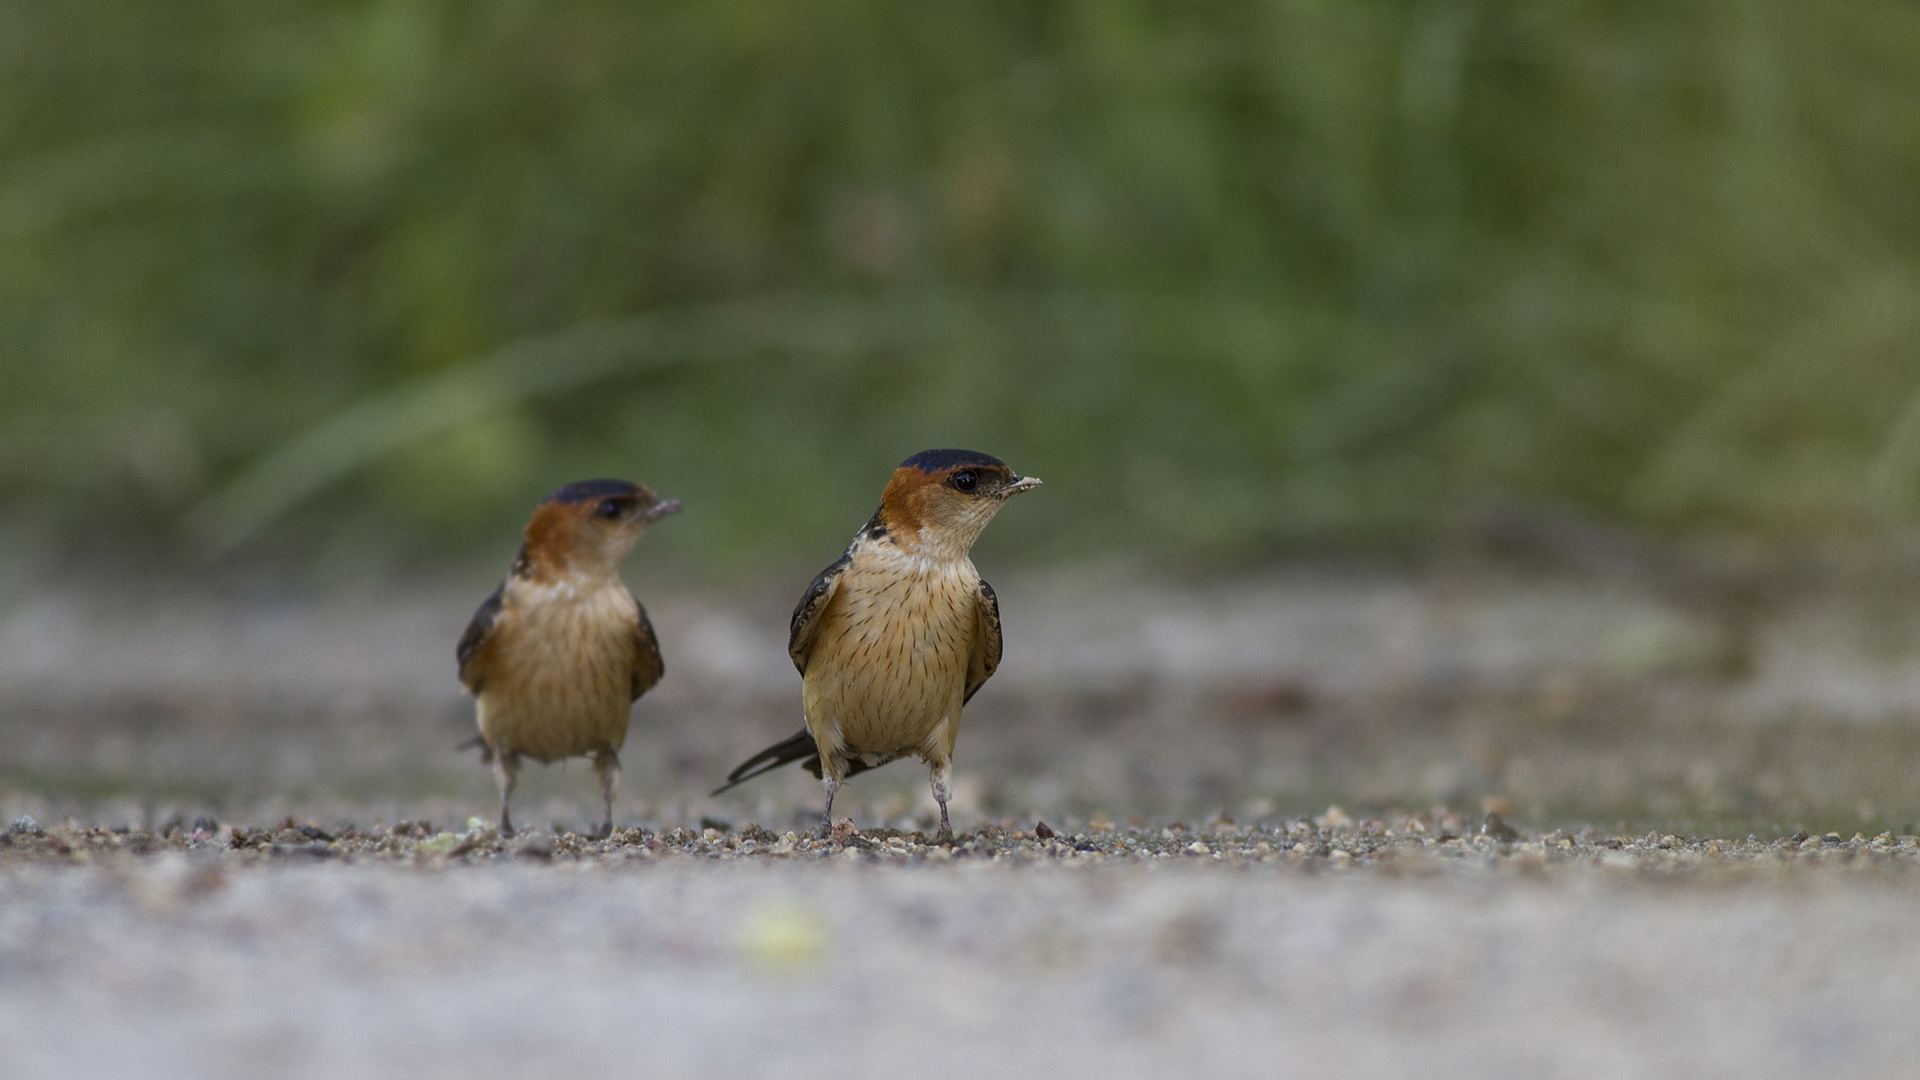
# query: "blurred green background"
[352,284]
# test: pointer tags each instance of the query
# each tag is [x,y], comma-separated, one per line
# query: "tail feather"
[799,747]
[479,743]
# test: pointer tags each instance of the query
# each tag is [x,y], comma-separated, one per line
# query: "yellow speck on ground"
[782,935]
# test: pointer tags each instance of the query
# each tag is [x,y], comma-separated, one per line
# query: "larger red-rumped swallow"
[557,655]
[900,632]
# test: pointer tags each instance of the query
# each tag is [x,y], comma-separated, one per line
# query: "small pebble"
[1496,828]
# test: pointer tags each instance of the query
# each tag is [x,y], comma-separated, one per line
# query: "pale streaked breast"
[889,666]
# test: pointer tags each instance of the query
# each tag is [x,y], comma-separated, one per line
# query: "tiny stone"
[1043,831]
[1496,828]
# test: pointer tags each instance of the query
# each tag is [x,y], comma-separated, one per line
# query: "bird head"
[941,500]
[589,527]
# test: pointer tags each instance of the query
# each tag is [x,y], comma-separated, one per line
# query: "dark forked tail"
[798,748]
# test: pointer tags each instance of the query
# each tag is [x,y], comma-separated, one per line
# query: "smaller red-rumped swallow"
[896,636]
[557,655]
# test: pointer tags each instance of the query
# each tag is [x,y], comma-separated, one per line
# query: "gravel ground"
[1410,945]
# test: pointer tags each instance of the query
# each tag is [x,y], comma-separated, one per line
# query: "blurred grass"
[356,282]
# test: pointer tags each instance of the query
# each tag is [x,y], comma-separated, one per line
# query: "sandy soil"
[252,850]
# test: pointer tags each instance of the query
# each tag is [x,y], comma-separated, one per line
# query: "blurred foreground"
[1375,949]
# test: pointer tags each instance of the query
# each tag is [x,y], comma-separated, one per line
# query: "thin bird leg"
[942,791]
[606,762]
[506,768]
[826,819]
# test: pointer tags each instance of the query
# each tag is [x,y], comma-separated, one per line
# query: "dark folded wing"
[647,665]
[985,659]
[806,616]
[473,643]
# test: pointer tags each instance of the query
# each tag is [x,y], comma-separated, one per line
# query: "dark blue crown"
[932,461]
[588,490]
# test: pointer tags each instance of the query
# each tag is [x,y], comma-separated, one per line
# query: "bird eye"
[608,508]
[966,480]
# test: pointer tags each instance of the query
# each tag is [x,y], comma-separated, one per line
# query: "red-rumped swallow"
[557,655]
[900,632]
